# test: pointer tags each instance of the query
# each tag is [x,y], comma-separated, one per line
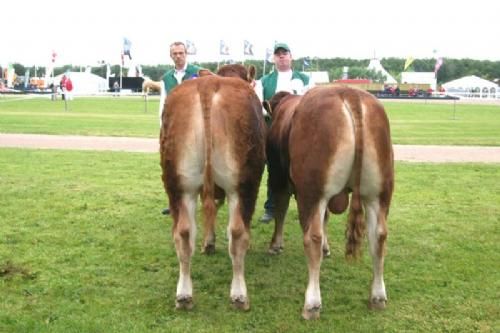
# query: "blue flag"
[269,55]
[247,48]
[127,44]
[190,47]
[223,48]
[307,62]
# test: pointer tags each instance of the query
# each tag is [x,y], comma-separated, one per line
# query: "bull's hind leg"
[326,247]
[239,237]
[209,211]
[313,246]
[184,233]
[210,208]
[282,200]
[376,216]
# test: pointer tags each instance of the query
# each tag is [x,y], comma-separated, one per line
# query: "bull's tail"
[355,224]
[207,194]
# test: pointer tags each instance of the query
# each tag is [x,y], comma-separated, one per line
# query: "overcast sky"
[84,32]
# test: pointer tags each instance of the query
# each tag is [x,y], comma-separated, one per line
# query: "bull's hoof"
[275,250]
[377,303]
[312,313]
[184,302]
[208,249]
[240,302]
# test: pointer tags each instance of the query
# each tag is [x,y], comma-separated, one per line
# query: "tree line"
[450,70]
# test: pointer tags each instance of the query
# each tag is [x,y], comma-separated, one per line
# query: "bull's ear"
[267,107]
[204,72]
[251,73]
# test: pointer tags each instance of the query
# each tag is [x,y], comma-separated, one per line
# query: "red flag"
[54,55]
[438,64]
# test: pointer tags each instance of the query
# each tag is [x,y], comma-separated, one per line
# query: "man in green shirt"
[182,71]
[282,78]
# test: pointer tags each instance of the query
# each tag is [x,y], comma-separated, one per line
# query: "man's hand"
[148,84]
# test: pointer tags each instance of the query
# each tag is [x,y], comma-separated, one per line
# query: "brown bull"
[212,136]
[322,146]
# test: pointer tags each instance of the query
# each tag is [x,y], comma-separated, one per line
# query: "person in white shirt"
[182,71]
[283,78]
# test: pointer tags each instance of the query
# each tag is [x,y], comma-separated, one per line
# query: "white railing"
[483,95]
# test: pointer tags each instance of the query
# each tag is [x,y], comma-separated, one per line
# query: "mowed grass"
[411,123]
[444,124]
[84,248]
[102,116]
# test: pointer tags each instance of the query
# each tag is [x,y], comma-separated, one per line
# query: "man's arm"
[152,85]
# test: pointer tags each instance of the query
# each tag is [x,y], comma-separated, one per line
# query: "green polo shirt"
[170,80]
[270,81]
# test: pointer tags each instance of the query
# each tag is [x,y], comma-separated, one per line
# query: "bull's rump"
[233,116]
[323,142]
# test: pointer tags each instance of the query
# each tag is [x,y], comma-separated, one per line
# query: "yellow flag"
[408,62]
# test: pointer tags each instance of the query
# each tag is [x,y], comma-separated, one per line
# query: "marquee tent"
[318,77]
[419,78]
[472,86]
[377,67]
[84,83]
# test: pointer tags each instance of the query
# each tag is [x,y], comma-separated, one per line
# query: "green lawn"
[84,248]
[85,116]
[428,123]
[424,123]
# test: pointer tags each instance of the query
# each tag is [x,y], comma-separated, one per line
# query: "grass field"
[85,116]
[424,123]
[83,248]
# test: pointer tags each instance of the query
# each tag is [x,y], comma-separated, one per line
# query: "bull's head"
[236,70]
[232,70]
[273,103]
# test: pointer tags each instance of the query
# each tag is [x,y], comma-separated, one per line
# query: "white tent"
[84,83]
[419,78]
[472,86]
[318,77]
[377,67]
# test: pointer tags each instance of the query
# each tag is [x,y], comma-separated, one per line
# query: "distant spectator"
[69,89]
[62,85]
[53,88]
[116,88]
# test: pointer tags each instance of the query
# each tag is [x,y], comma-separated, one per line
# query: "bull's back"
[230,111]
[322,129]
[238,133]
[324,135]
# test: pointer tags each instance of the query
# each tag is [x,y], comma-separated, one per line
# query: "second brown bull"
[322,146]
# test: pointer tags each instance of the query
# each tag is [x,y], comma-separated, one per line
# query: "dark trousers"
[269,204]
